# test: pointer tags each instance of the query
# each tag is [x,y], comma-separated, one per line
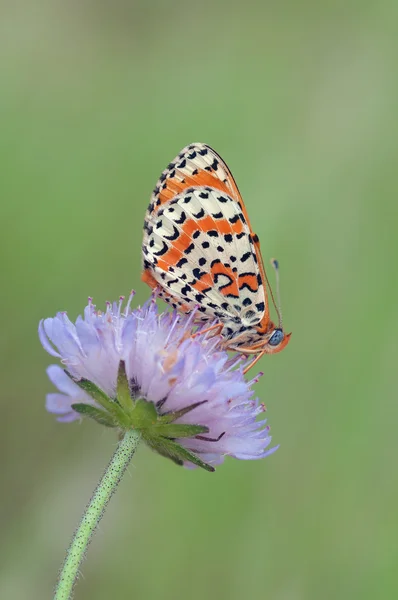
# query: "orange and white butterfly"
[199,250]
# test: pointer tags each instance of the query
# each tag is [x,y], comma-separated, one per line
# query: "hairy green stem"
[93,514]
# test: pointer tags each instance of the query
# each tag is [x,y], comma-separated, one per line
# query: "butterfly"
[199,251]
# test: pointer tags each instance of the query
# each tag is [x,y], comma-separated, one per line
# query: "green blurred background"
[301,101]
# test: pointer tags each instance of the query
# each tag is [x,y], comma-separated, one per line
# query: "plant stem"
[93,514]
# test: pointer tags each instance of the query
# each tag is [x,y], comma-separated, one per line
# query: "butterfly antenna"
[277,304]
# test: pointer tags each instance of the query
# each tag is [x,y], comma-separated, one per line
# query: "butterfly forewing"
[198,246]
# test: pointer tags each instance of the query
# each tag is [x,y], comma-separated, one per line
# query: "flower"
[159,373]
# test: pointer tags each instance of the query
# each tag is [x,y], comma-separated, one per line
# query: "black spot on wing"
[181,262]
[189,249]
[174,236]
[186,289]
[182,219]
[171,282]
[200,214]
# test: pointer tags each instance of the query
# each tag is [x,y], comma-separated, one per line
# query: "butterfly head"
[276,340]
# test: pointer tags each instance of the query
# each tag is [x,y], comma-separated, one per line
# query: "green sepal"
[177,453]
[101,398]
[178,430]
[123,390]
[95,392]
[102,417]
[172,416]
[175,460]
[144,416]
[163,452]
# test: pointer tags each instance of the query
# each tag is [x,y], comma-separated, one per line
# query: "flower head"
[144,370]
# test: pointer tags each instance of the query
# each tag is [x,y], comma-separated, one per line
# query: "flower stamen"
[207,439]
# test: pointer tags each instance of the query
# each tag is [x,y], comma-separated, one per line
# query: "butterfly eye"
[276,338]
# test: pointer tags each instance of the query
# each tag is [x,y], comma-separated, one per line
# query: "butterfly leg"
[216,329]
[253,362]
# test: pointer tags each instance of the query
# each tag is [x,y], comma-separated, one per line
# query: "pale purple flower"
[166,366]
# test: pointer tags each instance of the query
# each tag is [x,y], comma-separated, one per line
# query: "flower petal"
[45,341]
